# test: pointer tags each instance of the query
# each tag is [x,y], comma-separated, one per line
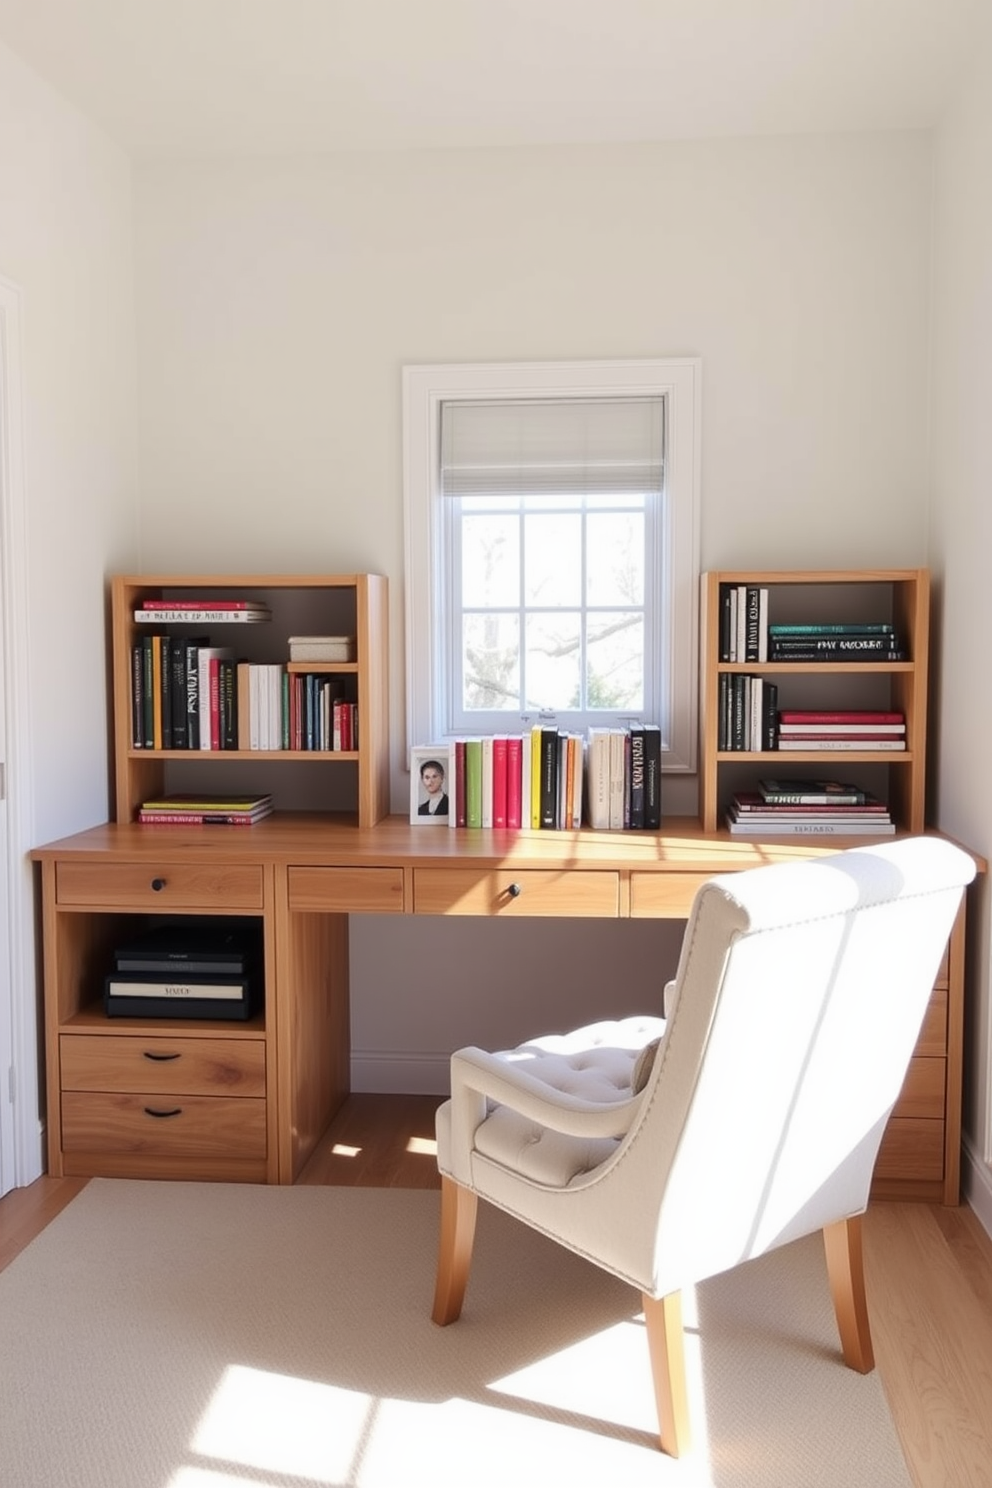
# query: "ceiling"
[188,78]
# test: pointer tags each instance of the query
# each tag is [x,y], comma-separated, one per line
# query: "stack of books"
[204,611]
[191,809]
[786,808]
[850,728]
[868,641]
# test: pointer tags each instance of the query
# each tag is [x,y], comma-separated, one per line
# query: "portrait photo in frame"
[429,786]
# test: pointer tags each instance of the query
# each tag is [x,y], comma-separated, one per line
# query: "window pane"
[553,661]
[491,662]
[615,572]
[491,559]
[553,560]
[615,665]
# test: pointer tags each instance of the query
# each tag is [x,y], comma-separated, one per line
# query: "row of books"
[782,808]
[189,695]
[747,634]
[551,778]
[185,809]
[749,720]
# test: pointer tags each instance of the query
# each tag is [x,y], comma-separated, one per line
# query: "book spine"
[514,781]
[198,818]
[786,646]
[752,601]
[137,696]
[816,743]
[198,604]
[473,782]
[637,777]
[535,776]
[166,615]
[549,777]
[652,777]
[179,722]
[487,780]
[500,781]
[461,812]
[853,628]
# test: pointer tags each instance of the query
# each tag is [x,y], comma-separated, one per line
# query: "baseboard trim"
[395,1072]
[976,1184]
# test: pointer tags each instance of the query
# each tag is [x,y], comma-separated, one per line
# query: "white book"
[598,784]
[487,780]
[866,745]
[167,616]
[810,829]
[451,783]
[762,624]
[616,779]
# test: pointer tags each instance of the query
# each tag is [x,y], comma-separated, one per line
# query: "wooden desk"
[249,1101]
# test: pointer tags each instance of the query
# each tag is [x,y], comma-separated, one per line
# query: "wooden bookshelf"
[352,783]
[901,596]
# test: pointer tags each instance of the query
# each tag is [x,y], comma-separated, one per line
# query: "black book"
[637,776]
[769,716]
[148,694]
[652,777]
[549,777]
[137,696]
[191,950]
[193,645]
[165,689]
[180,728]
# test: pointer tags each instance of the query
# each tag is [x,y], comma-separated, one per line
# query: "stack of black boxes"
[187,971]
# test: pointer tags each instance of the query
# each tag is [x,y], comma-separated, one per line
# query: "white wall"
[66,243]
[961,546]
[277,302]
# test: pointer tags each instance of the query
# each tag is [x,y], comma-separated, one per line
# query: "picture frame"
[425,787]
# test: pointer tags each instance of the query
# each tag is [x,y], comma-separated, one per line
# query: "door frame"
[21,1130]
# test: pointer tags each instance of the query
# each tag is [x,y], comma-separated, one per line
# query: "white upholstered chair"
[799,996]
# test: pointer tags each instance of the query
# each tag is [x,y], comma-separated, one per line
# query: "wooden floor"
[929,1276]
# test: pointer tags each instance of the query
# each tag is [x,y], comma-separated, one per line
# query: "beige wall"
[961,545]
[278,301]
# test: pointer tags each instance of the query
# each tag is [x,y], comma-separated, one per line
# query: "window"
[552,548]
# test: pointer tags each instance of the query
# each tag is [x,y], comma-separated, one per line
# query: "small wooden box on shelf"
[353,604]
[900,596]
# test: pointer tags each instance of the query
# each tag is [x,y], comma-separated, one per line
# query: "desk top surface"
[315,841]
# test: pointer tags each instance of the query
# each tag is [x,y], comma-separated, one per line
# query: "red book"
[839,715]
[203,604]
[514,781]
[499,781]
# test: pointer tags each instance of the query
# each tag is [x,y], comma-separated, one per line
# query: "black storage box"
[186,971]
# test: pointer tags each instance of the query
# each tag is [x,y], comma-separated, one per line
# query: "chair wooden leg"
[665,1343]
[458,1210]
[845,1267]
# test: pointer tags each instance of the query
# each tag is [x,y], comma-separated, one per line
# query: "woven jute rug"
[188,1335]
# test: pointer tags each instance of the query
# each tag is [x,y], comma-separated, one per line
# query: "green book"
[473,782]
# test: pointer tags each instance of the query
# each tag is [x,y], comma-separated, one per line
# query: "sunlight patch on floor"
[277,1423]
[340,1149]
[422,1146]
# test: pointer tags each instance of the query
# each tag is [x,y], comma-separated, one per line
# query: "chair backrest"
[798,1001]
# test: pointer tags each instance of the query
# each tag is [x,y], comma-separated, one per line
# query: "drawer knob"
[161,1115]
[158,884]
[513,890]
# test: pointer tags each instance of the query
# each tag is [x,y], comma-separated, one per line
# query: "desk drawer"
[663,895]
[180,886]
[186,1126]
[346,890]
[527,891]
[163,1065]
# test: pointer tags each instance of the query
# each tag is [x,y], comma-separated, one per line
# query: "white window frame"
[426,388]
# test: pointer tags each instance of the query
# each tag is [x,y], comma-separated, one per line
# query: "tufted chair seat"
[667,1150]
[592,1066]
